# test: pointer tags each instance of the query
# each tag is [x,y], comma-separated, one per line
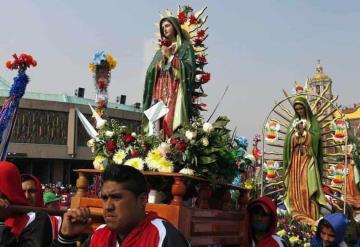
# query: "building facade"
[49,141]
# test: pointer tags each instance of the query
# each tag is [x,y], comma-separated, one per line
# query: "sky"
[257,48]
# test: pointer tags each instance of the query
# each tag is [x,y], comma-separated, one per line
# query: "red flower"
[110,146]
[23,59]
[165,42]
[128,138]
[101,83]
[173,141]
[9,65]
[201,59]
[135,153]
[101,103]
[201,34]
[205,77]
[201,106]
[193,20]
[198,42]
[182,17]
[180,146]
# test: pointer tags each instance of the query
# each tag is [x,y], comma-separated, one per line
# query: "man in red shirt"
[124,193]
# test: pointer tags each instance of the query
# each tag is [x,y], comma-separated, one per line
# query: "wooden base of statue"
[201,225]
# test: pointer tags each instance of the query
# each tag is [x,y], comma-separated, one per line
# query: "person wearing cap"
[262,224]
[52,201]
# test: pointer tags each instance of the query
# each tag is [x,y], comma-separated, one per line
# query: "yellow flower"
[165,165]
[100,162]
[281,233]
[119,157]
[307,245]
[111,61]
[154,155]
[153,158]
[293,239]
[92,67]
[248,184]
[137,163]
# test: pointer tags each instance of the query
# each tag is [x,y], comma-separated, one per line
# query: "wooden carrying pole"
[95,213]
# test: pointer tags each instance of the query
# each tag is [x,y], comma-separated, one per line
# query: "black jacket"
[38,233]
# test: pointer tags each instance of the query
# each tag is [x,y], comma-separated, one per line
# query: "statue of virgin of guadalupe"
[304,195]
[170,76]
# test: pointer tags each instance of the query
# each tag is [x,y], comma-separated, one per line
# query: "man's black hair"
[325,223]
[131,178]
[26,177]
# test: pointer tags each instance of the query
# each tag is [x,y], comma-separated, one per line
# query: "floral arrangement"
[201,149]
[23,62]
[293,232]
[8,110]
[101,66]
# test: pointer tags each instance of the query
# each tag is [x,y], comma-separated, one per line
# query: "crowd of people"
[124,192]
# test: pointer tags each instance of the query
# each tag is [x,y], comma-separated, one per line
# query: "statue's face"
[168,30]
[300,110]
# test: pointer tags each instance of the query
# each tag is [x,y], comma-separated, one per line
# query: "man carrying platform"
[124,193]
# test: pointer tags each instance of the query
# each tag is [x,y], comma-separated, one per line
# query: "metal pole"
[262,163]
[346,171]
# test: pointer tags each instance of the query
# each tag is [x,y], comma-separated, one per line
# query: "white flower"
[205,141]
[119,157]
[164,147]
[109,134]
[100,162]
[208,128]
[133,134]
[100,123]
[90,143]
[190,134]
[187,171]
[137,163]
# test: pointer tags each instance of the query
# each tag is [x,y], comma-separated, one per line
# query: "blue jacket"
[338,222]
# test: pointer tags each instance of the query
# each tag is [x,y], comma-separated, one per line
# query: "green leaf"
[210,150]
[206,160]
[221,122]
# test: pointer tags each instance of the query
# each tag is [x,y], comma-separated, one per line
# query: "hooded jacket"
[31,229]
[39,193]
[338,223]
[269,239]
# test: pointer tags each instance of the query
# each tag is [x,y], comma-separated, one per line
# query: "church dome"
[320,75]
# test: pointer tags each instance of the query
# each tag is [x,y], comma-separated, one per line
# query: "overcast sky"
[256,47]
